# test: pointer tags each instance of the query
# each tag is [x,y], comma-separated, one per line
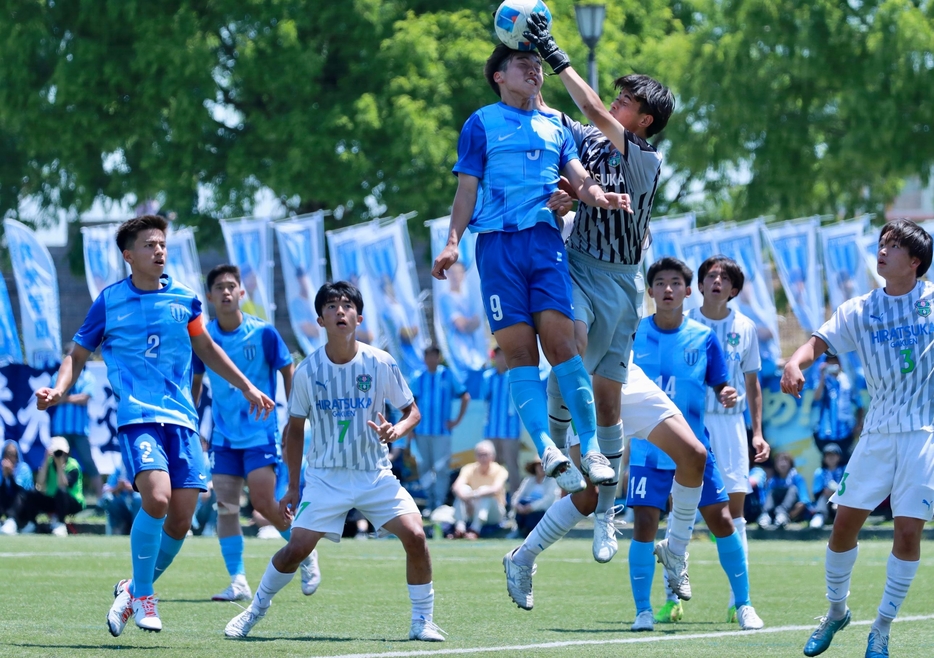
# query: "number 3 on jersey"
[908,364]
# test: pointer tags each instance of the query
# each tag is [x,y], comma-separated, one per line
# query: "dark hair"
[335,291]
[432,349]
[225,268]
[655,99]
[126,234]
[909,234]
[499,60]
[728,266]
[669,264]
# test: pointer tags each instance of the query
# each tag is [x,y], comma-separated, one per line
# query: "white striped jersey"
[615,236]
[893,338]
[338,399]
[740,343]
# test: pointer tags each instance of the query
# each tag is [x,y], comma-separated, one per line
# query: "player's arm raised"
[68,372]
[465,199]
[215,359]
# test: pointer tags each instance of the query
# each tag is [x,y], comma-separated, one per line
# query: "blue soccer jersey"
[683,362]
[518,156]
[257,349]
[502,419]
[434,393]
[145,339]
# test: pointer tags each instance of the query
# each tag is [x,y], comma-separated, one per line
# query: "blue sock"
[733,561]
[145,536]
[577,391]
[232,552]
[641,573]
[168,549]
[528,394]
[286,534]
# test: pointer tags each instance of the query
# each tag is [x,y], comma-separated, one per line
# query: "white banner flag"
[10,351]
[182,262]
[37,285]
[667,236]
[301,257]
[794,246]
[844,265]
[103,262]
[345,247]
[869,247]
[696,247]
[249,247]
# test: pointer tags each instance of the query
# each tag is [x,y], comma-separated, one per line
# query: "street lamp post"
[590,23]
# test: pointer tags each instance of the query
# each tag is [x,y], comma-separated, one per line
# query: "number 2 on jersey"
[153,342]
[345,425]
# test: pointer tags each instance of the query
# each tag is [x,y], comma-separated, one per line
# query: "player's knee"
[156,504]
[177,527]
[585,501]
[719,521]
[907,539]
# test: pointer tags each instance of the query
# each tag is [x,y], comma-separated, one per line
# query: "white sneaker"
[557,465]
[268,532]
[781,519]
[644,622]
[519,581]
[765,521]
[605,545]
[59,529]
[146,614]
[242,624]
[677,568]
[238,590]
[311,574]
[748,619]
[122,608]
[426,631]
[817,521]
[597,468]
[28,529]
[9,527]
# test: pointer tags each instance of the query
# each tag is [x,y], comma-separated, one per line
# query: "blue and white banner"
[301,257]
[102,420]
[794,246]
[391,269]
[37,285]
[696,247]
[345,247]
[844,265]
[10,351]
[869,246]
[249,247]
[460,321]
[20,420]
[103,262]
[667,235]
[182,262]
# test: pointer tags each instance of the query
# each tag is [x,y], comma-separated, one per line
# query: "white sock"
[423,601]
[740,525]
[611,446]
[684,501]
[273,580]
[898,577]
[557,522]
[839,568]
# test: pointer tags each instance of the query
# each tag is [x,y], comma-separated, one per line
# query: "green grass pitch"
[55,594]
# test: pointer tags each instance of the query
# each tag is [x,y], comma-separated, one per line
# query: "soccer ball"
[510,21]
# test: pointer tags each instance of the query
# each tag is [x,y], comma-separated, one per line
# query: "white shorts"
[644,406]
[729,446]
[900,465]
[332,492]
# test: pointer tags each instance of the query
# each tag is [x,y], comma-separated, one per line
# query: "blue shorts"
[650,487]
[239,462]
[164,447]
[521,273]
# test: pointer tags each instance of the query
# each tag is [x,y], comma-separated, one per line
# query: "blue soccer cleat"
[878,645]
[820,639]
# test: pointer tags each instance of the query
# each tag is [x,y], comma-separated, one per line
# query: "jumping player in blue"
[242,447]
[684,358]
[147,326]
[510,159]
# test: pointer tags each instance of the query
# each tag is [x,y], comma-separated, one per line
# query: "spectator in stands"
[59,490]
[826,480]
[70,419]
[435,389]
[479,493]
[15,481]
[787,498]
[533,498]
[502,421]
[758,482]
[841,413]
[120,502]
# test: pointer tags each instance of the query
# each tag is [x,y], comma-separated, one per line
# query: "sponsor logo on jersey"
[364,382]
[732,339]
[691,356]
[249,351]
[923,307]
[179,312]
[904,335]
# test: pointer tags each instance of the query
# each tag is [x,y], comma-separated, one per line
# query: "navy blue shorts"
[164,447]
[240,462]
[522,273]
[650,487]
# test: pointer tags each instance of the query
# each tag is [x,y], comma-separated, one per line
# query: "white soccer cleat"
[242,624]
[311,574]
[59,529]
[644,622]
[597,468]
[557,465]
[817,521]
[677,568]
[605,544]
[146,613]
[238,590]
[122,608]
[519,581]
[426,631]
[268,532]
[748,619]
[9,527]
